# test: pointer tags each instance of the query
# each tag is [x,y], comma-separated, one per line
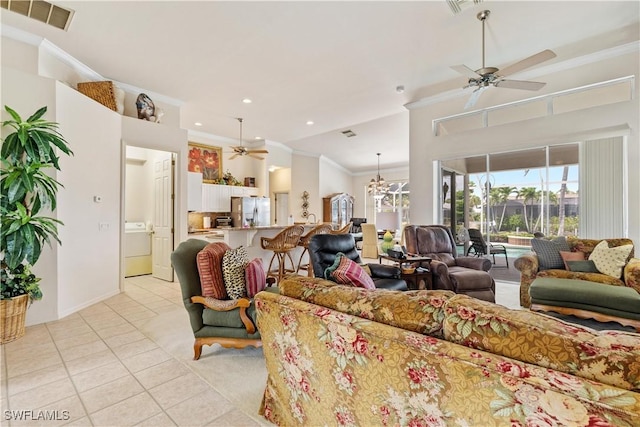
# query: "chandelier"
[377,187]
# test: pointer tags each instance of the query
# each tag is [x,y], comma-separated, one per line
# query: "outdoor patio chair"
[480,248]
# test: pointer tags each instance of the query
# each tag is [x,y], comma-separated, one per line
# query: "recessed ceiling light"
[198,124]
[247,101]
[309,122]
[258,138]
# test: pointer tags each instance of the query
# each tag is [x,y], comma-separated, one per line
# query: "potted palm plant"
[27,190]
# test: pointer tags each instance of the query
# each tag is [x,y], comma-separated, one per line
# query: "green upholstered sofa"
[339,355]
[586,295]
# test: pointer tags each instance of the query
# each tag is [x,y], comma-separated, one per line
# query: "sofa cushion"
[618,301]
[571,256]
[350,273]
[585,266]
[418,311]
[255,277]
[209,262]
[610,261]
[234,262]
[329,270]
[548,252]
[611,357]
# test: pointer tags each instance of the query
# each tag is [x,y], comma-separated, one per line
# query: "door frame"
[178,198]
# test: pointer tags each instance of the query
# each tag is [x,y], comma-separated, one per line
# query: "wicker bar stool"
[304,242]
[343,230]
[281,245]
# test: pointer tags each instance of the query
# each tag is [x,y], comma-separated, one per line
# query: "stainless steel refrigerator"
[250,211]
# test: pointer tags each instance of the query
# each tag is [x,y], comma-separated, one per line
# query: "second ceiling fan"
[240,150]
[492,76]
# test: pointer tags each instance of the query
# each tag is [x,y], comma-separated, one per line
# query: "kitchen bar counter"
[248,237]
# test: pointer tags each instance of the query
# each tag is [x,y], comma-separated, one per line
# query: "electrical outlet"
[103,226]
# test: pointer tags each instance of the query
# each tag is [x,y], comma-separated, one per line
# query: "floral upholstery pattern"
[610,357]
[529,268]
[418,311]
[328,367]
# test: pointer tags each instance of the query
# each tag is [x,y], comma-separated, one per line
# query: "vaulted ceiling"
[335,63]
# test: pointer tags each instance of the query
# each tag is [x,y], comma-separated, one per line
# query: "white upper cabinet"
[194,191]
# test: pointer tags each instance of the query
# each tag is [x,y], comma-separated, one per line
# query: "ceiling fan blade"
[234,156]
[519,84]
[258,151]
[465,71]
[539,57]
[256,156]
[474,97]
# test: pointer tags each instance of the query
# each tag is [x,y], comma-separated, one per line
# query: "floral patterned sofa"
[338,355]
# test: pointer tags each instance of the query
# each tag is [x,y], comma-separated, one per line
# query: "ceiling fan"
[240,150]
[492,76]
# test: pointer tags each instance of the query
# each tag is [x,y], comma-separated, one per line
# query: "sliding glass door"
[519,194]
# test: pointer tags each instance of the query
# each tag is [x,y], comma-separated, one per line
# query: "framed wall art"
[205,159]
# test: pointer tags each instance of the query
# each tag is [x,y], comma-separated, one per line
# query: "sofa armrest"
[382,271]
[441,273]
[631,274]
[528,266]
[475,263]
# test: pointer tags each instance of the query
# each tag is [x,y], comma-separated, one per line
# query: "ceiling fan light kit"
[240,150]
[493,76]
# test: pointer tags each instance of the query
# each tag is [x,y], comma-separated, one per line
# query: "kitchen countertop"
[221,230]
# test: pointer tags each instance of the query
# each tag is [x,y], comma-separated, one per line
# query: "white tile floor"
[103,367]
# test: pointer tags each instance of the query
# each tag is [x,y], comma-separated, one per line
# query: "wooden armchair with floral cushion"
[219,312]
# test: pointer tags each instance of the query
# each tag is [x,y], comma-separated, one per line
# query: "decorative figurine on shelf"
[146,108]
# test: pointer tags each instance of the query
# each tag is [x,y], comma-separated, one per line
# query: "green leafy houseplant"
[26,154]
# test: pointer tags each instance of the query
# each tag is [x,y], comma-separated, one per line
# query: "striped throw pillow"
[209,261]
[350,273]
[255,277]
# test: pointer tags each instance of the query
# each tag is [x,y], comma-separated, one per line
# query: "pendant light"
[377,187]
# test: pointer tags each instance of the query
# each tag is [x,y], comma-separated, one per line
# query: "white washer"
[137,249]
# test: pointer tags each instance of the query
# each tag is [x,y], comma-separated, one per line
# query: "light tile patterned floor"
[97,368]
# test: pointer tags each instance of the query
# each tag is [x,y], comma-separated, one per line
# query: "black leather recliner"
[323,249]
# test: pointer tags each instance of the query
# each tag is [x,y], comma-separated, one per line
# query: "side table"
[417,279]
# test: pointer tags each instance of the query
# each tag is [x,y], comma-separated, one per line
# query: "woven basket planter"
[13,313]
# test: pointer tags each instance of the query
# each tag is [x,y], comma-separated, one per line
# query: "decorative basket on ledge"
[99,91]
[13,312]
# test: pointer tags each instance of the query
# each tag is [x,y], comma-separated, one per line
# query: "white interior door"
[282,208]
[163,217]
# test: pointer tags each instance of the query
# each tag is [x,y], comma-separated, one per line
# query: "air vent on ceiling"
[42,11]
[348,133]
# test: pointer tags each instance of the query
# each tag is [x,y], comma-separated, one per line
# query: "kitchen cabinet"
[194,191]
[337,209]
[217,198]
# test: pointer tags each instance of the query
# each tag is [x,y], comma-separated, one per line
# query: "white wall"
[138,201]
[25,93]
[305,171]
[333,178]
[89,258]
[597,122]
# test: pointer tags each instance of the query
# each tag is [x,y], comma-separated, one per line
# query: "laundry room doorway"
[148,212]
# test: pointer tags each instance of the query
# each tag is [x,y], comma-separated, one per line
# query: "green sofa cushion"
[620,301]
